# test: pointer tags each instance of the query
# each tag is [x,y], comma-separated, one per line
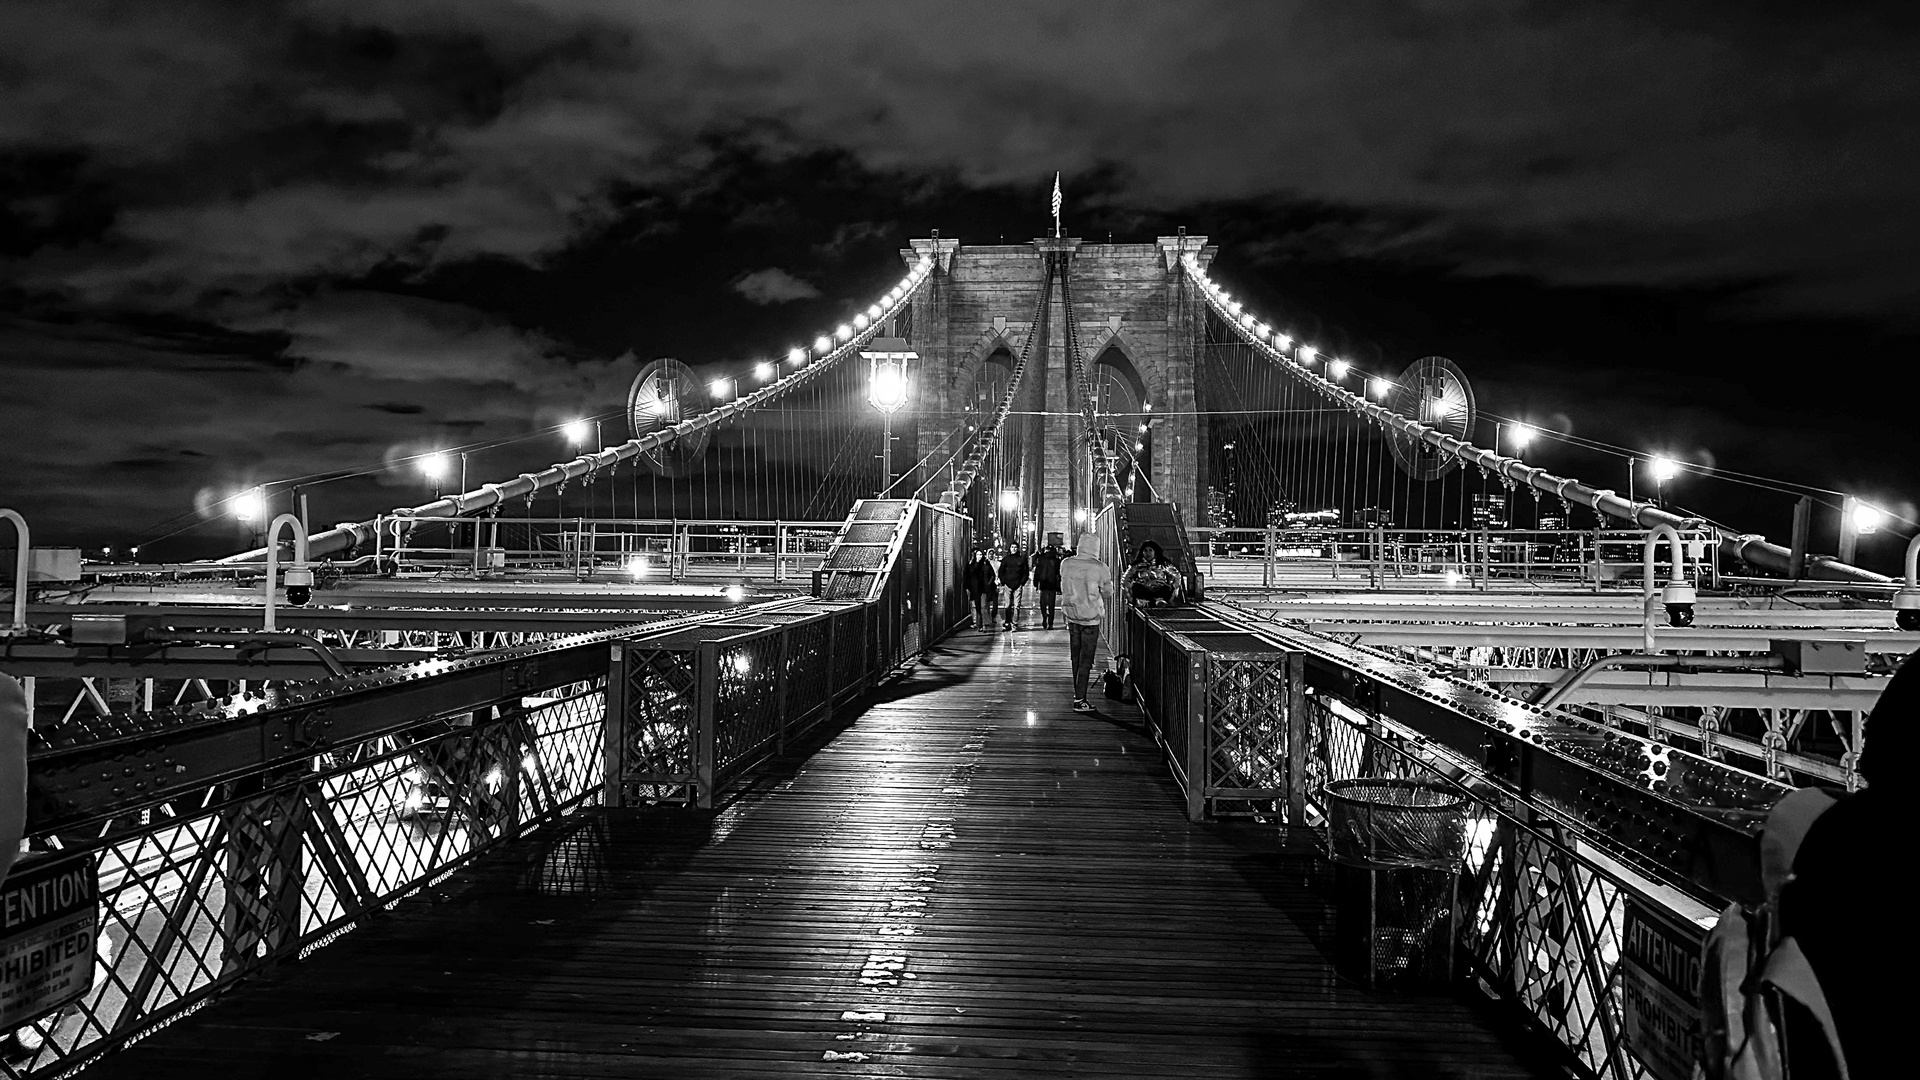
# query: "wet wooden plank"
[970,881]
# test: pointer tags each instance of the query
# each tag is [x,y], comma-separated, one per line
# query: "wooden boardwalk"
[971,881]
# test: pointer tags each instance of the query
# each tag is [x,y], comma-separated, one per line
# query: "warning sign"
[49,918]
[1660,976]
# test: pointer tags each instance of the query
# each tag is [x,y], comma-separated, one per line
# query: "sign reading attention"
[49,918]
[1660,975]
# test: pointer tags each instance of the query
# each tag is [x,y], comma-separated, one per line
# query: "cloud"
[773,286]
[1625,144]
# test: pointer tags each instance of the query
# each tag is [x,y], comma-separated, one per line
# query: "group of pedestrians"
[997,583]
[1074,582]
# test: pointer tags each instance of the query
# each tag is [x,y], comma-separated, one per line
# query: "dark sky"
[247,241]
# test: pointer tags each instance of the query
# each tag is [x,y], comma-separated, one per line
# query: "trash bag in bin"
[1397,846]
[1389,823]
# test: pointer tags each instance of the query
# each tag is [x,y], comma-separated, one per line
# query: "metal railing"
[1580,846]
[635,549]
[693,708]
[1400,559]
[199,891]
[240,833]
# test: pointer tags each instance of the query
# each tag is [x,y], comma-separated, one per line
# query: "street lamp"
[1522,435]
[577,431]
[888,384]
[249,505]
[1663,469]
[1857,519]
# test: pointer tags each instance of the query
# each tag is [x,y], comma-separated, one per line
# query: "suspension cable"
[1752,548]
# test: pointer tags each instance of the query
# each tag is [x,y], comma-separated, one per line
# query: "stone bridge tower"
[1140,323]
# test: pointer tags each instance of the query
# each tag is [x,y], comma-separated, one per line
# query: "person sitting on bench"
[1151,578]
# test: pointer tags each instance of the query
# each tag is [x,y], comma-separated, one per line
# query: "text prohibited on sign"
[1660,975]
[49,917]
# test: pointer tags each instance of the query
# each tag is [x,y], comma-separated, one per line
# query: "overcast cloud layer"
[283,173]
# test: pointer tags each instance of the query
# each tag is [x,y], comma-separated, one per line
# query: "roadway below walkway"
[969,881]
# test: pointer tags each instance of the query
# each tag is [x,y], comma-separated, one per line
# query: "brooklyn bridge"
[708,750]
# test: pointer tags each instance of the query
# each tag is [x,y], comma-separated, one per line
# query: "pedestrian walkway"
[969,881]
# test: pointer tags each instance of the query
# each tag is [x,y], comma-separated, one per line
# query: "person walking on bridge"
[1013,574]
[1086,585]
[1046,577]
[980,587]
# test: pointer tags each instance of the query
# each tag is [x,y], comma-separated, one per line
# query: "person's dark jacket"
[1046,569]
[1852,922]
[1013,569]
[979,577]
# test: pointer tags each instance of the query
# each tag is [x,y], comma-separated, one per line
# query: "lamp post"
[1663,469]
[1857,519]
[1010,504]
[888,385]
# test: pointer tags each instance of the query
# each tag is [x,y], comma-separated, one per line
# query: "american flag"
[1056,200]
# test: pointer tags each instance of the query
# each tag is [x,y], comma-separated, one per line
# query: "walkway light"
[1378,387]
[1010,500]
[1080,515]
[1522,435]
[823,345]
[721,389]
[796,356]
[1867,519]
[735,594]
[1337,369]
[576,431]
[1663,468]
[843,332]
[434,466]
[1306,354]
[860,321]
[249,505]
[763,371]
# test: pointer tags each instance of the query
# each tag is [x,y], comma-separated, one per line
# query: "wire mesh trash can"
[1397,847]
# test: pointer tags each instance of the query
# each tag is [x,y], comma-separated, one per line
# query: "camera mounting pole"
[299,579]
[1679,594]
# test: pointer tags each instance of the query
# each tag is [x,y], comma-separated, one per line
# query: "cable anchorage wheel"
[662,395]
[1434,391]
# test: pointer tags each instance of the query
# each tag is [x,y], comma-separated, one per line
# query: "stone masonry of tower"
[1131,298]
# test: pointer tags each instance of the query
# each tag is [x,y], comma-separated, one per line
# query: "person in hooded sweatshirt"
[1086,585]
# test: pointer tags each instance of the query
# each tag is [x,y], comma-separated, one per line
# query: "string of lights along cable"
[779,438]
